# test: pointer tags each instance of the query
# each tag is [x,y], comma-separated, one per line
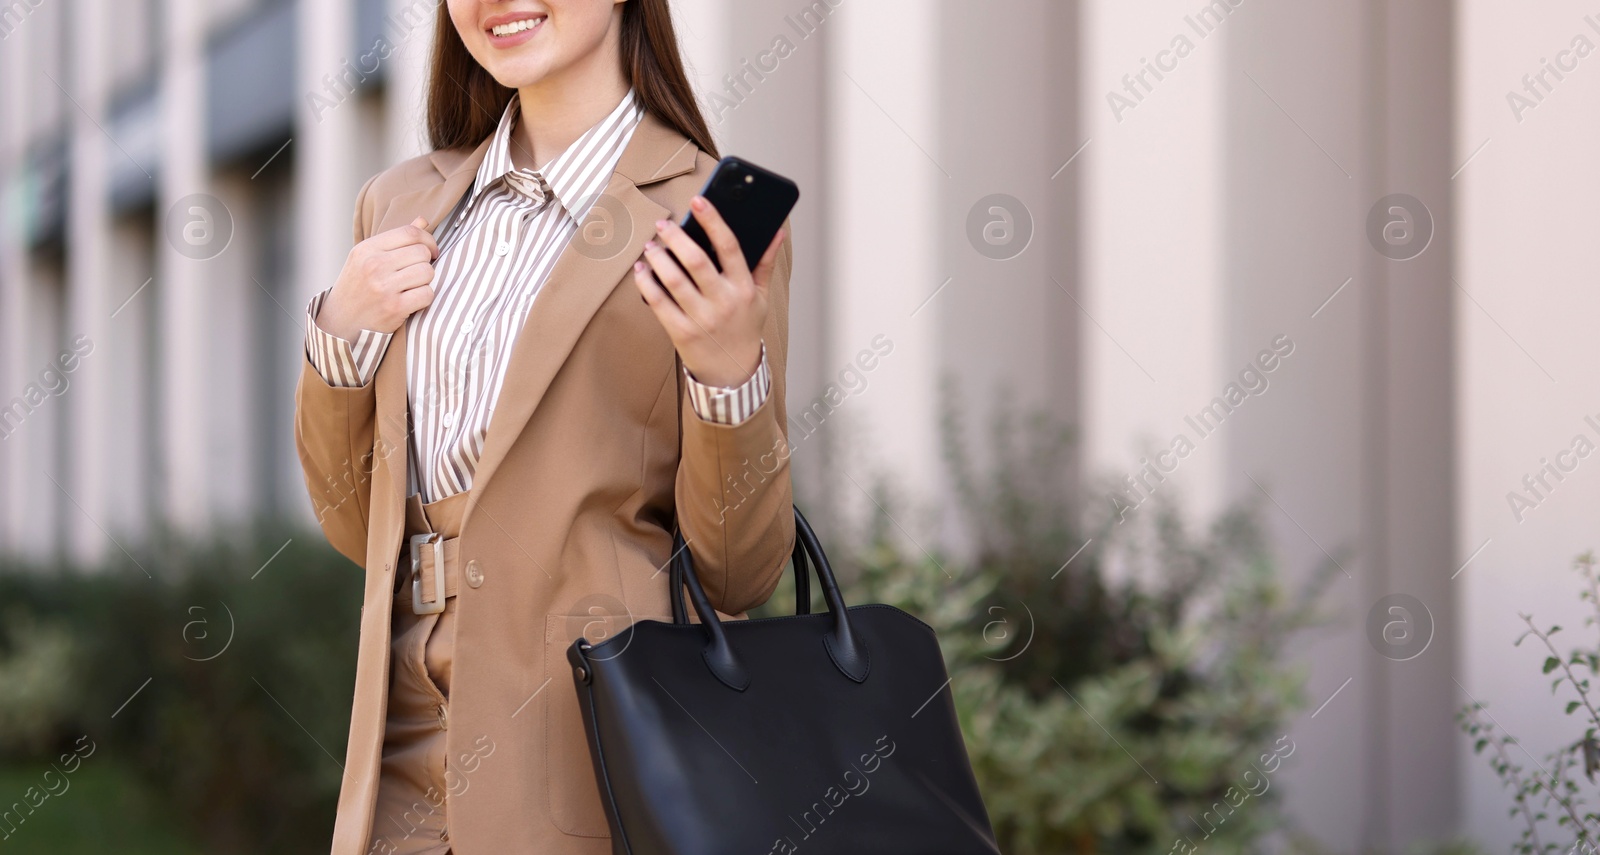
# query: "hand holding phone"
[713,302]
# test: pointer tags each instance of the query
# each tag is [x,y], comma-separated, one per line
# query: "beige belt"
[435,572]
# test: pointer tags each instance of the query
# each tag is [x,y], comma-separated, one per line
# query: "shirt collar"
[577,175]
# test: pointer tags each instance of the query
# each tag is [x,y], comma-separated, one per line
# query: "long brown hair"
[464,101]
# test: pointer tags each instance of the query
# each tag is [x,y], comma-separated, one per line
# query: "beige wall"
[1527,365]
[1151,298]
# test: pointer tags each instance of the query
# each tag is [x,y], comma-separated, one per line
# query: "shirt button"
[502,248]
[466,326]
[448,419]
[474,574]
[444,718]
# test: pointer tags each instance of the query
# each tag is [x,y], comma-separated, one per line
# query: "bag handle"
[844,647]
[802,583]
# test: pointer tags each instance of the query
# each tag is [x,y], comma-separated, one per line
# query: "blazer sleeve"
[733,493]
[333,435]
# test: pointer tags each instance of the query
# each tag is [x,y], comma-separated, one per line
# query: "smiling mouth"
[515,27]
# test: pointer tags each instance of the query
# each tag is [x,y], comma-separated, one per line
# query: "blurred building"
[1109,211]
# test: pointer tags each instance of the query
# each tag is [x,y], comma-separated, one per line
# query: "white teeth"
[516,26]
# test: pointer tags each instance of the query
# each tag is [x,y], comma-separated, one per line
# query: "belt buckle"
[417,605]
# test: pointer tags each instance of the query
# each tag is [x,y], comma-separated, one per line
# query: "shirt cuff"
[731,405]
[339,361]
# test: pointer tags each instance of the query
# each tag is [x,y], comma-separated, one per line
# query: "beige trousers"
[411,818]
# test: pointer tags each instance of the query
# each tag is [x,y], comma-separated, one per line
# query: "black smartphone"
[753,201]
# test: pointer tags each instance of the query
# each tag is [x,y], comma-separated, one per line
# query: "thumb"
[420,222]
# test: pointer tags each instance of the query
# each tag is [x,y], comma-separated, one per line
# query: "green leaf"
[1572,705]
[1551,663]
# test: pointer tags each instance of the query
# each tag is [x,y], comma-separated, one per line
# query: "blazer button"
[474,574]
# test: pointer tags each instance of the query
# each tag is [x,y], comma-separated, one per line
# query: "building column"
[705,37]
[323,147]
[1350,451]
[888,175]
[1410,437]
[324,137]
[183,206]
[14,287]
[408,27]
[89,307]
[1011,151]
[1151,301]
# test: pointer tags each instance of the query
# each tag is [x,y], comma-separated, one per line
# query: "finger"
[413,300]
[426,238]
[428,241]
[412,276]
[769,259]
[415,232]
[672,277]
[694,259]
[722,237]
[402,236]
[405,256]
[666,310]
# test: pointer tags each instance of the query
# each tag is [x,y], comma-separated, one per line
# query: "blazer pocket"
[572,790]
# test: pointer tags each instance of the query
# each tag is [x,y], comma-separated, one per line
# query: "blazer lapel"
[584,275]
[586,272]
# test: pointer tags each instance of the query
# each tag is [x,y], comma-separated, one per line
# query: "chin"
[516,75]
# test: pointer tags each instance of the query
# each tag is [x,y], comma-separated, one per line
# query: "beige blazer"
[570,510]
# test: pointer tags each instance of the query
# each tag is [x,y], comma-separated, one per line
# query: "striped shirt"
[493,259]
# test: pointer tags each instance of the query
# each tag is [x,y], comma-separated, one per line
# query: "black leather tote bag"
[827,733]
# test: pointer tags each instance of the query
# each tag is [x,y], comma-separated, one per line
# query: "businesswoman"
[509,397]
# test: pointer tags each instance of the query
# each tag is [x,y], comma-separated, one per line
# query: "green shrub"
[36,671]
[1104,711]
[98,805]
[1555,813]
[219,672]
